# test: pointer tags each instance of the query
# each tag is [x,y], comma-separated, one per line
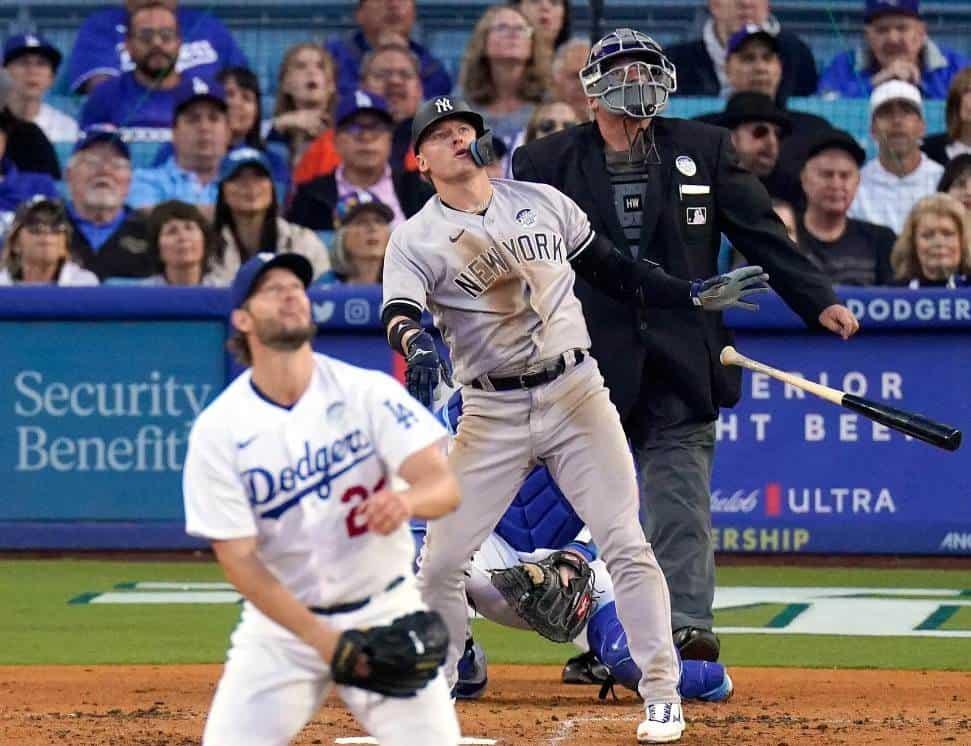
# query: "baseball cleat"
[473,672]
[585,669]
[694,643]
[664,723]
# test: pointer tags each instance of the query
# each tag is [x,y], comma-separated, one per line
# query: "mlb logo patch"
[526,218]
[697,215]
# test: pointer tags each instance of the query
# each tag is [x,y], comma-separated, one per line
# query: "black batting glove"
[425,369]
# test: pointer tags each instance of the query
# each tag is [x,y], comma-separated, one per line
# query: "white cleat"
[664,723]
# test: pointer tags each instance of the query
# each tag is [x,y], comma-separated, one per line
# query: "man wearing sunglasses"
[362,139]
[141,102]
[665,190]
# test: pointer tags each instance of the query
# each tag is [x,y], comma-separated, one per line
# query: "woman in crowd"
[957,116]
[363,229]
[549,118]
[956,180]
[247,219]
[934,246]
[550,18]
[305,100]
[244,100]
[36,248]
[505,71]
[182,245]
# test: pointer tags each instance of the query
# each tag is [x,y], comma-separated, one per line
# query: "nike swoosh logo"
[245,443]
[457,236]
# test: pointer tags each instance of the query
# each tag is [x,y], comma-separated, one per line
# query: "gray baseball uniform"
[500,288]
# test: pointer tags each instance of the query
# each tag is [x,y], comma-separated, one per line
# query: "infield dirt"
[162,705]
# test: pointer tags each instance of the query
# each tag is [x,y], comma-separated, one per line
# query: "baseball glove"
[536,591]
[400,658]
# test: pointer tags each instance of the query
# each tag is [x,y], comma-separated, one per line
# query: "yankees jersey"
[297,478]
[499,285]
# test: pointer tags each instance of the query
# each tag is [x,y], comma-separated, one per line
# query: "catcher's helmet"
[628,72]
[436,109]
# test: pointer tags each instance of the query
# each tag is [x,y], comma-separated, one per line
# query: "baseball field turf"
[68,611]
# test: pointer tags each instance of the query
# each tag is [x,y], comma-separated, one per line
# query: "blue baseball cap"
[239,158]
[96,133]
[751,31]
[21,44]
[254,268]
[195,89]
[353,203]
[877,8]
[350,106]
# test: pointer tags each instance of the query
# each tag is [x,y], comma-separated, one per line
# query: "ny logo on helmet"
[443,104]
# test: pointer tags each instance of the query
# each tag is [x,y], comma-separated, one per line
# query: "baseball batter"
[493,261]
[287,475]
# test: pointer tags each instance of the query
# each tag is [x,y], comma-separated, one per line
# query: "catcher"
[286,476]
[538,570]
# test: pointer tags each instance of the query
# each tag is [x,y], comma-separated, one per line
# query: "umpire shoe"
[664,723]
[695,644]
[585,669]
[473,672]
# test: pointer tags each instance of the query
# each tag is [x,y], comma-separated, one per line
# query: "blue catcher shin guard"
[608,641]
[702,680]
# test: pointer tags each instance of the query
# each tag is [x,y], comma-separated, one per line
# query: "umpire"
[666,189]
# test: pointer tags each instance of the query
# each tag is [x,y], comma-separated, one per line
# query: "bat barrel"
[925,429]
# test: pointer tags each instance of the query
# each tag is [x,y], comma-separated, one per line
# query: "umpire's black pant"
[674,454]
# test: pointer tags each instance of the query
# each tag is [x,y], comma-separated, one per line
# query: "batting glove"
[425,368]
[727,291]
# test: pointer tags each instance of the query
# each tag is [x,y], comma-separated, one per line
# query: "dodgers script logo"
[273,494]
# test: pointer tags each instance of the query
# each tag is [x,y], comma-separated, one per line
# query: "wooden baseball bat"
[915,425]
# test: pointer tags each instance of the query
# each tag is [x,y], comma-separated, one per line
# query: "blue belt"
[355,605]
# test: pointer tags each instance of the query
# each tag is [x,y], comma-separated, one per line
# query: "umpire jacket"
[682,233]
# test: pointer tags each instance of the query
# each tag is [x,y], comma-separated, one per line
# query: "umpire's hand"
[425,368]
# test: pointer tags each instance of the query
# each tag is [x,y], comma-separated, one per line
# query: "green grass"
[39,625]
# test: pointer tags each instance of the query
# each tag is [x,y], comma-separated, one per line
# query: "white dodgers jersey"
[297,478]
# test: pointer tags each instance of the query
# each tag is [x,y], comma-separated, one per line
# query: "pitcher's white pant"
[273,684]
[570,425]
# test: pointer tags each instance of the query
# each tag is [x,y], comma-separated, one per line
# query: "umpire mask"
[629,74]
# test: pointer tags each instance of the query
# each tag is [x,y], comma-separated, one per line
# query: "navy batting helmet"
[628,72]
[437,109]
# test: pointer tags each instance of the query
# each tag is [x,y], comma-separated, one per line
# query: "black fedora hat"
[749,106]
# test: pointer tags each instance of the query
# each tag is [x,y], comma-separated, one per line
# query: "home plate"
[464,741]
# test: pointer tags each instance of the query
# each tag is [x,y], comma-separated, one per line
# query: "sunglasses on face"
[41,228]
[761,131]
[164,35]
[547,126]
[507,28]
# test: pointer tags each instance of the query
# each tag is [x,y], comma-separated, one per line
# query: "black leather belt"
[530,380]
[355,605]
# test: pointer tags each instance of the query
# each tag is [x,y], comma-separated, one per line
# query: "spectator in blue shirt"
[200,139]
[141,102]
[895,46]
[377,19]
[100,52]
[16,186]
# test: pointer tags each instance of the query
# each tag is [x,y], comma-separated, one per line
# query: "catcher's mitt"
[537,593]
[401,657]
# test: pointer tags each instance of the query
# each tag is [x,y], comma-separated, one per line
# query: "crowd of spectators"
[329,172]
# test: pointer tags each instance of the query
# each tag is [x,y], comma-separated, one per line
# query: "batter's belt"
[568,359]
